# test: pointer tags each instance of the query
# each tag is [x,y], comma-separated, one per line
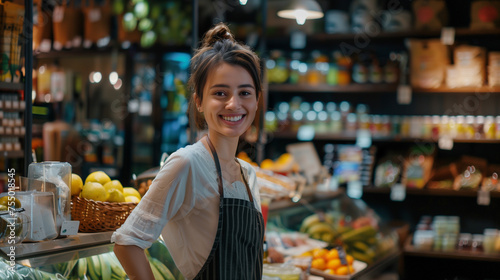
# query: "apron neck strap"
[217,165]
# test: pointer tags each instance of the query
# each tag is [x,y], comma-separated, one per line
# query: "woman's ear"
[197,102]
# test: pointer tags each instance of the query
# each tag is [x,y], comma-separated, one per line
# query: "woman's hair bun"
[217,33]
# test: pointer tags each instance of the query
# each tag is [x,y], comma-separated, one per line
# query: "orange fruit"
[318,264]
[333,264]
[319,253]
[344,271]
[307,254]
[332,254]
[349,259]
[330,271]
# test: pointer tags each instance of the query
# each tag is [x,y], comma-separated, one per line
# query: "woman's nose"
[234,102]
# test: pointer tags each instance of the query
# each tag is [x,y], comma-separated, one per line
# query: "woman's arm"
[134,261]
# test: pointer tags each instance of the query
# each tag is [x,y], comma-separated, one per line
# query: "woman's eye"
[219,93]
[245,93]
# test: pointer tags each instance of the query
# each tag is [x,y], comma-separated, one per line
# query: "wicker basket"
[97,216]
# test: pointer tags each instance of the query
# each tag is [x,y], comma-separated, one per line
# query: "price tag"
[483,197]
[363,138]
[445,143]
[307,157]
[404,94]
[354,189]
[58,14]
[398,192]
[298,40]
[70,227]
[95,15]
[448,35]
[342,255]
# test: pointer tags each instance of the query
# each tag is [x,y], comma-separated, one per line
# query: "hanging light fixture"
[301,10]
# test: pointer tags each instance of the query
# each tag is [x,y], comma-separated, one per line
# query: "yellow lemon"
[94,191]
[115,196]
[10,201]
[132,198]
[129,191]
[113,185]
[76,184]
[267,164]
[98,177]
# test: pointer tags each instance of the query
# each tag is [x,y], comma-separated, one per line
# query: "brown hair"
[219,46]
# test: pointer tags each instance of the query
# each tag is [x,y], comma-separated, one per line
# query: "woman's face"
[229,100]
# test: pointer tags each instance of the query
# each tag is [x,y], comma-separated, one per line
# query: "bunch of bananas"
[361,243]
[104,266]
[319,226]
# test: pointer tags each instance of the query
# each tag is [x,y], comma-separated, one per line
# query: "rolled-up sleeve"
[169,197]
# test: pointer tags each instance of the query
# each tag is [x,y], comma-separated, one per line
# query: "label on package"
[483,197]
[69,228]
[398,192]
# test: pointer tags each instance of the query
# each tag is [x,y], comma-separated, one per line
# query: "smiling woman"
[204,201]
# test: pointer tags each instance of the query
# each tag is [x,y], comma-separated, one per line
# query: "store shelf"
[323,38]
[482,89]
[5,86]
[310,195]
[322,88]
[410,250]
[12,154]
[345,136]
[374,88]
[60,250]
[430,192]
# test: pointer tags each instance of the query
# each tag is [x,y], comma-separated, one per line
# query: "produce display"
[99,187]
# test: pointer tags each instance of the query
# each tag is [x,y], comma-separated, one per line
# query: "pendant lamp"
[301,10]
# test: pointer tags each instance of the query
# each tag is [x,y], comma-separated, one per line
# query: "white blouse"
[182,204]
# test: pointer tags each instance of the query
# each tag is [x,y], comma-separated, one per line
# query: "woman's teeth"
[233,119]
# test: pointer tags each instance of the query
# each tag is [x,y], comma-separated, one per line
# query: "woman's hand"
[134,262]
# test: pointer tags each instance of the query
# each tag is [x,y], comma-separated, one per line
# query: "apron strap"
[250,197]
[217,165]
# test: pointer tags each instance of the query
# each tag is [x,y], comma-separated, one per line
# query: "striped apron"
[237,251]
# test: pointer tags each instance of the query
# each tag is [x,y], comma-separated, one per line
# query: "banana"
[90,269]
[311,220]
[165,272]
[320,227]
[358,234]
[105,268]
[156,273]
[82,268]
[116,268]
[360,246]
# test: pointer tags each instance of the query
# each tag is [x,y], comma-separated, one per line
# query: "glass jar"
[449,242]
[490,236]
[336,122]
[469,130]
[464,242]
[479,127]
[497,127]
[489,127]
[460,126]
[477,242]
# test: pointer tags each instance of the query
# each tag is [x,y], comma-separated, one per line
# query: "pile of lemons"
[99,187]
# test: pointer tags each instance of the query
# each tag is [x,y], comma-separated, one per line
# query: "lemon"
[115,196]
[129,191]
[132,198]
[113,185]
[98,177]
[267,164]
[94,191]
[7,201]
[76,184]
[3,208]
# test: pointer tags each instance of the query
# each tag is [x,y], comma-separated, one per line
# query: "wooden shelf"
[374,88]
[352,137]
[410,250]
[316,39]
[309,196]
[430,192]
[352,88]
[11,154]
[482,89]
[4,86]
